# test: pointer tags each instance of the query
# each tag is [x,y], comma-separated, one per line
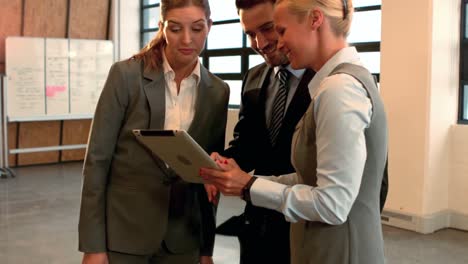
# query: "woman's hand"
[229,178]
[95,258]
[212,193]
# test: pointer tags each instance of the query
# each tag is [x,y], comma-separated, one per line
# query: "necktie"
[279,106]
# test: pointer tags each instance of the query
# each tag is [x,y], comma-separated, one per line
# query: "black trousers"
[264,237]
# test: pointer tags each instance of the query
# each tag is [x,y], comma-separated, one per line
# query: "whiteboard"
[56,84]
[25,72]
[89,64]
[51,78]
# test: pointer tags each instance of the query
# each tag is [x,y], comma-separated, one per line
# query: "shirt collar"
[169,72]
[345,55]
[297,73]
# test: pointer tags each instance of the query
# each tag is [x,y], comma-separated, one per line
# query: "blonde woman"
[134,209]
[339,148]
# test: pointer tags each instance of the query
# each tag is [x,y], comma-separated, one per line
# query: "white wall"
[428,165]
[458,185]
[443,102]
[233,116]
[405,76]
[126,16]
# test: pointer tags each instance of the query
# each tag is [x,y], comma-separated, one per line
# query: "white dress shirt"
[180,106]
[342,112]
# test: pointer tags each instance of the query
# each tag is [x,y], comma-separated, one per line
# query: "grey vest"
[358,240]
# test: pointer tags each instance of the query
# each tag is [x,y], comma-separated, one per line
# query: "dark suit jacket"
[263,233]
[251,147]
[125,204]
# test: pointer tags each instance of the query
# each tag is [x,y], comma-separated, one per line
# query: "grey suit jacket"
[125,204]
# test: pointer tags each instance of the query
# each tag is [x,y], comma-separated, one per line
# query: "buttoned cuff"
[267,194]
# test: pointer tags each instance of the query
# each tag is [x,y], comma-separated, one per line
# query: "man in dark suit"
[264,234]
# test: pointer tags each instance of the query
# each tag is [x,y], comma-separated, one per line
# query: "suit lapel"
[300,99]
[264,82]
[155,92]
[263,86]
[202,111]
[296,109]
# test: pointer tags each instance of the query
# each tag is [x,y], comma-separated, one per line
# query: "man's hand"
[206,260]
[95,258]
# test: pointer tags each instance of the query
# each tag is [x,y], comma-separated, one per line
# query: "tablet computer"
[178,150]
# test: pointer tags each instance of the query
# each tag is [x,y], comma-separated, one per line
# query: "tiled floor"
[39,215]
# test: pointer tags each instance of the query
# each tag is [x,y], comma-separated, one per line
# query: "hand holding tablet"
[178,150]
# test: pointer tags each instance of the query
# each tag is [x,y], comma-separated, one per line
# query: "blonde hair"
[151,53]
[340,19]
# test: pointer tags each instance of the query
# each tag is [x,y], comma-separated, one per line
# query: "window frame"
[144,30]
[463,64]
[245,51]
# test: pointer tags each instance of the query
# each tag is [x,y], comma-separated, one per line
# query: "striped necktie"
[279,105]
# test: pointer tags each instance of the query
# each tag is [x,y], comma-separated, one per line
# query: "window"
[229,56]
[149,20]
[365,33]
[463,95]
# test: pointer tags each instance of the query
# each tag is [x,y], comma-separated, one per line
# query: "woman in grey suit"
[134,209]
[339,148]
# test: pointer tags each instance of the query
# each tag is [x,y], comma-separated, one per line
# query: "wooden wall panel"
[10,24]
[111,24]
[45,18]
[42,134]
[75,132]
[39,134]
[88,19]
[12,137]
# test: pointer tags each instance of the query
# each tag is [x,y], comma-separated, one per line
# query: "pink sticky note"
[51,90]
